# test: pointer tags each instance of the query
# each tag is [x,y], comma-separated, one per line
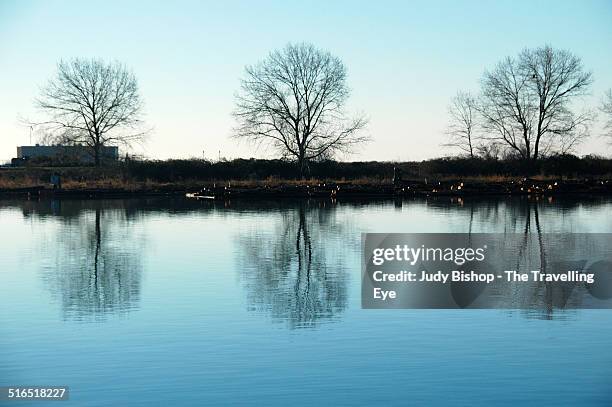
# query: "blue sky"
[405,60]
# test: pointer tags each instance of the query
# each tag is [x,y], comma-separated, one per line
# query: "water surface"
[176,302]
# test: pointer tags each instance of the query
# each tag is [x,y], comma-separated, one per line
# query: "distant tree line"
[253,169]
[168,171]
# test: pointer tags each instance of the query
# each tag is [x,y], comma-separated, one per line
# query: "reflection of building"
[82,154]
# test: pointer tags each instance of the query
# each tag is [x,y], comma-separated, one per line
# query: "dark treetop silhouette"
[93,103]
[294,100]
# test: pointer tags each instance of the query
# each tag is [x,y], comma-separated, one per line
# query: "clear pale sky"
[405,60]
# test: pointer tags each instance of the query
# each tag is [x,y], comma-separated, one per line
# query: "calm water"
[171,302]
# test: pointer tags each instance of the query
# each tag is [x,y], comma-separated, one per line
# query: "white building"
[83,154]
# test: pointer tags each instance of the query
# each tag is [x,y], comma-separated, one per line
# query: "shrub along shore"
[269,178]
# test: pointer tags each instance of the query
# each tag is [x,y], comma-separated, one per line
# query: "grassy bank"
[277,176]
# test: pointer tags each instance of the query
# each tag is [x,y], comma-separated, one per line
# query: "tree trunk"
[303,165]
[98,243]
[97,155]
[536,148]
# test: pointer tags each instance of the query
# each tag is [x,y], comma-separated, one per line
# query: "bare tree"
[463,123]
[526,102]
[93,103]
[294,100]
[606,108]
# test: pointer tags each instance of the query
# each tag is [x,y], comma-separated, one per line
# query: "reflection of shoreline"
[488,206]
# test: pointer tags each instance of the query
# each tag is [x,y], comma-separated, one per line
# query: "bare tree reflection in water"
[294,272]
[527,216]
[95,266]
[547,300]
[295,268]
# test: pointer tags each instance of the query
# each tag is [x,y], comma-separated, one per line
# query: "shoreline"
[327,190]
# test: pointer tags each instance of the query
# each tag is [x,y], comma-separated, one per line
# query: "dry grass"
[77,179]
[502,178]
[19,182]
[135,185]
[274,181]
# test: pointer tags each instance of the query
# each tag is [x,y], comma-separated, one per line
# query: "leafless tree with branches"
[526,102]
[92,103]
[294,101]
[606,109]
[463,124]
